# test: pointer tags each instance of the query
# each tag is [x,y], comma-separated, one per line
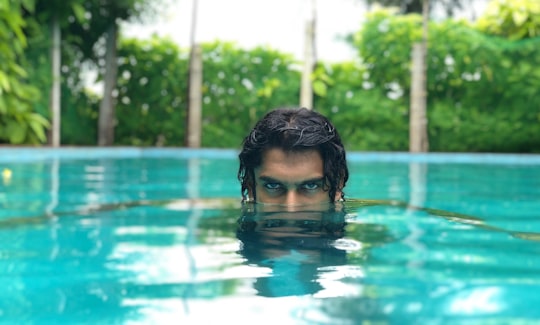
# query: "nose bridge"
[291,197]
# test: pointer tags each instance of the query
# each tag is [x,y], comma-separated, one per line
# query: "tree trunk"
[193,123]
[418,137]
[106,109]
[55,101]
[194,114]
[306,86]
[418,122]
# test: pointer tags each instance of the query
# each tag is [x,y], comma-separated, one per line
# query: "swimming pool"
[131,236]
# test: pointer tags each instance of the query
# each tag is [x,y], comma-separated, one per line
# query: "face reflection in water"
[293,244]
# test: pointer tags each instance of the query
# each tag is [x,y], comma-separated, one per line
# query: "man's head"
[293,156]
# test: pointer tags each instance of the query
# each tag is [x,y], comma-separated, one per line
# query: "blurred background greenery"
[483,79]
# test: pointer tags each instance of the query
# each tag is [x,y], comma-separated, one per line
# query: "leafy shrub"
[19,123]
[240,86]
[152,86]
[482,90]
[512,19]
[366,119]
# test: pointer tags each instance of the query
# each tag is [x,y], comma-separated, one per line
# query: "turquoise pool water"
[129,236]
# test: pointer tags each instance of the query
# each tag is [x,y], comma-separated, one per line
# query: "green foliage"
[152,88]
[77,115]
[63,10]
[513,19]
[365,118]
[82,23]
[240,86]
[385,43]
[482,90]
[503,130]
[79,118]
[19,124]
[101,15]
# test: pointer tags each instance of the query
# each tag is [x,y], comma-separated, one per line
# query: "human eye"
[311,186]
[272,186]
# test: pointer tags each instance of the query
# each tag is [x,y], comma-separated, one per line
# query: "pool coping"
[24,154]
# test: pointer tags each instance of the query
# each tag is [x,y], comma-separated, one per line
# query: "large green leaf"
[16,132]
[4,83]
[38,124]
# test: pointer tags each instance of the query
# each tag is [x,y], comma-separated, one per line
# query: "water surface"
[166,240]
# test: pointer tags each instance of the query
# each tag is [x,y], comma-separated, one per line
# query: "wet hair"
[294,130]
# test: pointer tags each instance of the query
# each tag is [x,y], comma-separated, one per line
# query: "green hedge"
[482,90]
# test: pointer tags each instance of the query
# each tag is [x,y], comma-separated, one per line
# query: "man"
[293,157]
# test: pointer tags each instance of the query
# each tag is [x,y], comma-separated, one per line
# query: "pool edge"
[22,154]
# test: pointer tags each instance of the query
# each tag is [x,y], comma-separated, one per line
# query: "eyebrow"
[273,180]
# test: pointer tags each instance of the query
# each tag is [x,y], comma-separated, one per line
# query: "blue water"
[164,240]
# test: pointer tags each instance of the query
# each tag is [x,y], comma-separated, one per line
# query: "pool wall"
[18,154]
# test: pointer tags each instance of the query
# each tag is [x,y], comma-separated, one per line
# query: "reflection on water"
[331,265]
[302,249]
[311,252]
[157,242]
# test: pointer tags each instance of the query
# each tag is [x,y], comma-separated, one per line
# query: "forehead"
[290,166]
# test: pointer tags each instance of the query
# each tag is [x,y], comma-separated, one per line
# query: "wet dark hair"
[294,129]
